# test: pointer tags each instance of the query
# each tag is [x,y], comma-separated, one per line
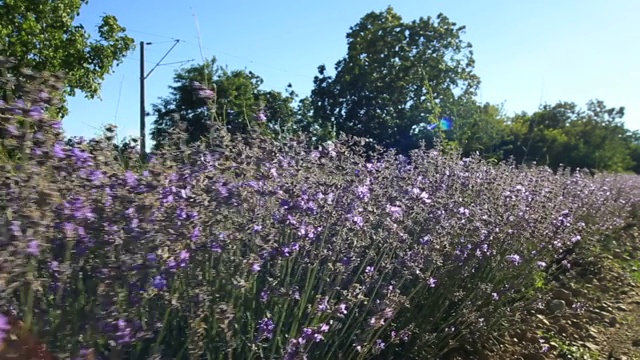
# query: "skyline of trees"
[395,77]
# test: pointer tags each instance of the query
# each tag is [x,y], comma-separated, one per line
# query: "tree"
[394,76]
[40,36]
[480,128]
[600,141]
[237,102]
[563,134]
[541,137]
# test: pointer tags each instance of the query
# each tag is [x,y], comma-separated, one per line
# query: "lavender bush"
[252,250]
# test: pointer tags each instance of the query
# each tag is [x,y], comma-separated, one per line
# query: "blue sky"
[527,52]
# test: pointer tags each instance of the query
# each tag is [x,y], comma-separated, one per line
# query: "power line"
[222,52]
[118,108]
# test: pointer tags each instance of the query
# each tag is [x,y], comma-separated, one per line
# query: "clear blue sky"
[526,52]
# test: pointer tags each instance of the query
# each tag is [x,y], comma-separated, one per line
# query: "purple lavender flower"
[36,112]
[159,282]
[195,234]
[124,335]
[261,116]
[322,305]
[425,240]
[184,258]
[394,211]
[362,191]
[264,296]
[515,259]
[4,327]
[265,328]
[342,309]
[13,130]
[56,125]
[130,178]
[33,248]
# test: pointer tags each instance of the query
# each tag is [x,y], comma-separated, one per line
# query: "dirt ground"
[593,313]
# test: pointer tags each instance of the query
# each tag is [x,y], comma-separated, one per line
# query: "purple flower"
[395,211]
[256,267]
[184,257]
[33,248]
[159,282]
[130,178]
[216,248]
[261,116]
[125,333]
[13,130]
[426,240]
[4,327]
[57,125]
[515,259]
[463,211]
[195,234]
[357,220]
[342,309]
[265,328]
[206,94]
[264,296]
[323,305]
[36,112]
[362,192]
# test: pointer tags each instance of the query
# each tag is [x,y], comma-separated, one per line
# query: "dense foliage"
[396,78]
[41,36]
[239,104]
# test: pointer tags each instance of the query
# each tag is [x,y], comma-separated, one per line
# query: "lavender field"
[253,249]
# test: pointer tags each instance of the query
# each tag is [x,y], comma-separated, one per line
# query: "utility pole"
[143,112]
[143,77]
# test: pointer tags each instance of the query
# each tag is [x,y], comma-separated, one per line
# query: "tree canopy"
[394,76]
[41,36]
[396,79]
[234,96]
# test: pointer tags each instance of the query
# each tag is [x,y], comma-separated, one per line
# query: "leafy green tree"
[480,128]
[235,98]
[563,134]
[599,140]
[305,122]
[40,36]
[394,76]
[540,137]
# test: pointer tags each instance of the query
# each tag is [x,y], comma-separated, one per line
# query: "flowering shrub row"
[256,251]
